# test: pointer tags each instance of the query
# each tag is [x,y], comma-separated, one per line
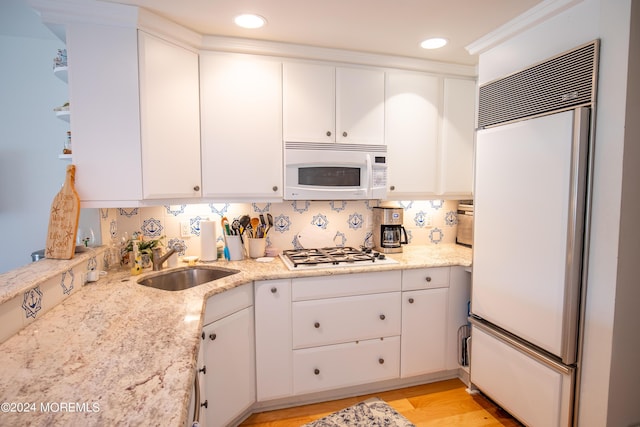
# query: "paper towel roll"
[208,250]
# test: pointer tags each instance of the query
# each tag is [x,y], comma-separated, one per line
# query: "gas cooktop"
[333,257]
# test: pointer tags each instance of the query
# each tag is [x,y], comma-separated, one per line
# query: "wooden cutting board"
[63,220]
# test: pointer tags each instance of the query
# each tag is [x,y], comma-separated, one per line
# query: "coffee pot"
[388,233]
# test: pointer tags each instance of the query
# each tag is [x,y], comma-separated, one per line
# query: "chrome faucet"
[159,259]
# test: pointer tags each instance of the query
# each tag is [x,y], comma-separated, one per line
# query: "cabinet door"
[241,119]
[424,326]
[273,339]
[229,357]
[103,90]
[359,106]
[169,119]
[412,115]
[309,102]
[458,127]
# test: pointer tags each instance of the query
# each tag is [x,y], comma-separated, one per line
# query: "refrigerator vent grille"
[564,81]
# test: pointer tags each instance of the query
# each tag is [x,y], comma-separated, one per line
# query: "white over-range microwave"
[334,171]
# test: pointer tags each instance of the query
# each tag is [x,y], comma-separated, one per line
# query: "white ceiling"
[393,27]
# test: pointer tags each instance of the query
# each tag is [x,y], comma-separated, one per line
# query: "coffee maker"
[388,231]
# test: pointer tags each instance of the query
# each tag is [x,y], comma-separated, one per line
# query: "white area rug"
[370,413]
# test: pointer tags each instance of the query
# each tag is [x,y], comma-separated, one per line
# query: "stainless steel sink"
[178,280]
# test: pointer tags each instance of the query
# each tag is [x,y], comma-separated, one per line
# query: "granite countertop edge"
[116,352]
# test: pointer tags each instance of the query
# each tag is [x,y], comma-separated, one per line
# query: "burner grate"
[328,256]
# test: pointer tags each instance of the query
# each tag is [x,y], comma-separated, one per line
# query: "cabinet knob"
[393,187]
[382,317]
[381,361]
[428,278]
[212,337]
[196,188]
[344,134]
[203,370]
[316,325]
[328,133]
[274,188]
[274,290]
[202,335]
[316,371]
[205,404]
[410,300]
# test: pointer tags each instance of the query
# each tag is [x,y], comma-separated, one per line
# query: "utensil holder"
[257,247]
[236,251]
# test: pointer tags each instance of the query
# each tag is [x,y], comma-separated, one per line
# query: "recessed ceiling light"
[249,20]
[433,43]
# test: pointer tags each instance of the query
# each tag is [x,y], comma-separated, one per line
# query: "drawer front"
[341,285]
[425,278]
[338,320]
[343,365]
[228,302]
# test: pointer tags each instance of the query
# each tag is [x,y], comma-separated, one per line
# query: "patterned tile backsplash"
[426,222]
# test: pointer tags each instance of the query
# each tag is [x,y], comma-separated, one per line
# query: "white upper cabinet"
[458,130]
[309,102]
[359,106]
[103,90]
[241,119]
[169,119]
[322,103]
[430,124]
[412,115]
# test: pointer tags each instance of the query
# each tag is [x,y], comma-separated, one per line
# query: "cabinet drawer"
[336,320]
[344,365]
[341,285]
[228,302]
[425,278]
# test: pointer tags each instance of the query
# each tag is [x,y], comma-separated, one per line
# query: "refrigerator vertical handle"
[576,232]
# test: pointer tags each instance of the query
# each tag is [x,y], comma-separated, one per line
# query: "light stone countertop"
[117,353]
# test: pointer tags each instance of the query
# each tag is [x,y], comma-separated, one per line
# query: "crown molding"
[58,13]
[290,50]
[528,19]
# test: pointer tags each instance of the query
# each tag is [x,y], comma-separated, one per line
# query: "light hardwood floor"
[445,403]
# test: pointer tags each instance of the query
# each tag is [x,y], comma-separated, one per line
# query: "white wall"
[602,400]
[31,137]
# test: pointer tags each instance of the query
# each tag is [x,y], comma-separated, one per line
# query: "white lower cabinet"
[336,320]
[347,364]
[321,333]
[424,331]
[229,364]
[273,339]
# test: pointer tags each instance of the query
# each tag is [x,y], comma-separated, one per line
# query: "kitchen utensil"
[245,221]
[63,219]
[224,222]
[255,222]
[270,223]
[236,227]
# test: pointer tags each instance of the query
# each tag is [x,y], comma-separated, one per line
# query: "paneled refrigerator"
[532,189]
